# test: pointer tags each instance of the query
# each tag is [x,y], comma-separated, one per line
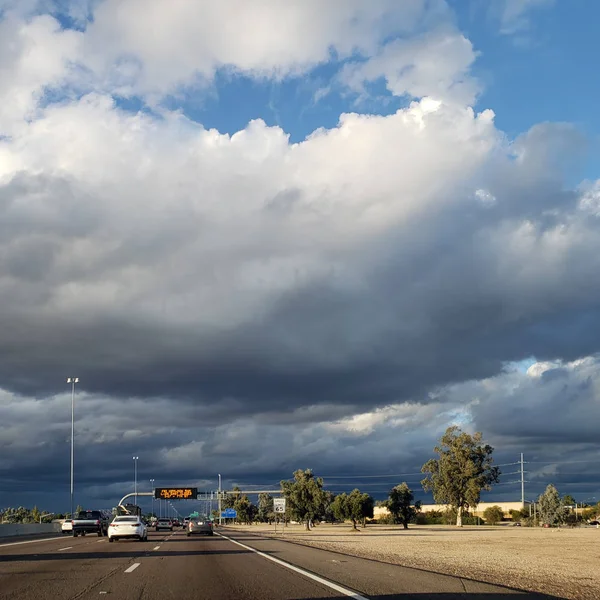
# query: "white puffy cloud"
[131,43]
[435,64]
[34,57]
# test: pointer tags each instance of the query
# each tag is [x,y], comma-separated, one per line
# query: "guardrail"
[14,529]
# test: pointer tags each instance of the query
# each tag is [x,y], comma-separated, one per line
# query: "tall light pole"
[220,520]
[135,459]
[72,381]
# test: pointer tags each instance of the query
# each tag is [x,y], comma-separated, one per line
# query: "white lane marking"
[30,542]
[325,582]
[67,548]
[132,568]
[156,548]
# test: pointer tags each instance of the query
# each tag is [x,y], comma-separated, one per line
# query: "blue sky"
[543,72]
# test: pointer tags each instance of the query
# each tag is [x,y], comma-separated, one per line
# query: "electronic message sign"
[176,493]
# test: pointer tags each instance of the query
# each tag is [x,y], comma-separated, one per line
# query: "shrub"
[386,520]
[493,515]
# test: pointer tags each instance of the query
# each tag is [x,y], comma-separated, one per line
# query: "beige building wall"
[379,511]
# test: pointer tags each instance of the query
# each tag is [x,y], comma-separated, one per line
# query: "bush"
[472,520]
[517,515]
[386,520]
[493,515]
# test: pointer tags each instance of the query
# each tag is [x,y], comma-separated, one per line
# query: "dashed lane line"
[156,548]
[67,548]
[132,568]
[321,580]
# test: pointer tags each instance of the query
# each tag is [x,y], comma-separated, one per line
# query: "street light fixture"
[72,381]
[135,459]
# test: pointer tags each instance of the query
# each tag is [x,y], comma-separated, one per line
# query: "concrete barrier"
[14,529]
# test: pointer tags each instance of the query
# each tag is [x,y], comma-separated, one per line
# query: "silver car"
[200,525]
[164,524]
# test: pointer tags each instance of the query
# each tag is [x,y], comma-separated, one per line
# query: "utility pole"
[522,483]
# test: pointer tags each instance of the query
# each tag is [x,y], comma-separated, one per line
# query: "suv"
[90,521]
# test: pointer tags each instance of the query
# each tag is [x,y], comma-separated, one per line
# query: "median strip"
[325,582]
[132,568]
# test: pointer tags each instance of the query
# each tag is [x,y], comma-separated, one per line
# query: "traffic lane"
[207,567]
[377,579]
[56,571]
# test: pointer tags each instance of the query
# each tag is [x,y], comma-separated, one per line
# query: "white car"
[127,527]
[67,526]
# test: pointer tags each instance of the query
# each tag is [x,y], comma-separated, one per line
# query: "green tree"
[355,506]
[518,515]
[243,506]
[229,500]
[401,504]
[550,507]
[36,514]
[493,515]
[328,500]
[78,509]
[568,500]
[463,469]
[304,495]
[265,508]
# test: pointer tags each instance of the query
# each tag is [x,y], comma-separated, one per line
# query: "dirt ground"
[559,562]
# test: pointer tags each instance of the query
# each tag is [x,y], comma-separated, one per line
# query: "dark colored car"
[90,521]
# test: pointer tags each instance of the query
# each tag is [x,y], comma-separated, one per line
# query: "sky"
[269,236]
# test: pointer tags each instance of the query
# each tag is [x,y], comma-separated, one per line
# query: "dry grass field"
[559,562]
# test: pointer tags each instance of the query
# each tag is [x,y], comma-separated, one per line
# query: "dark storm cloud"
[230,314]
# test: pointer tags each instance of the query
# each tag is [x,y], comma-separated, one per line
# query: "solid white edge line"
[321,580]
[132,568]
[67,548]
[31,542]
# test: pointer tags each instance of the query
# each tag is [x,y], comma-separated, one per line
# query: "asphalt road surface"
[228,566]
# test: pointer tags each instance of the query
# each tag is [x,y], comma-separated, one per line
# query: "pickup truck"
[90,521]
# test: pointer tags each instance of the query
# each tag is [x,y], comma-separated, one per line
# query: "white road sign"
[279,505]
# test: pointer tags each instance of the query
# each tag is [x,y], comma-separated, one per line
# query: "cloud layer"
[241,299]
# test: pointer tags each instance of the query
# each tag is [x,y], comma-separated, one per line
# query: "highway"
[227,566]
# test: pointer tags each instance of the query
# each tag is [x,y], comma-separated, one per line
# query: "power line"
[561,462]
[369,476]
